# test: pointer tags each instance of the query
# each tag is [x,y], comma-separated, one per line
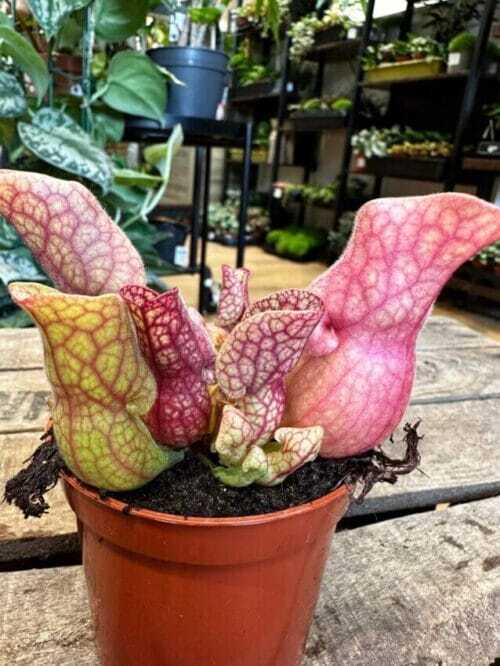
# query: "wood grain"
[21,349]
[442,332]
[460,459]
[453,361]
[452,373]
[23,400]
[60,519]
[417,590]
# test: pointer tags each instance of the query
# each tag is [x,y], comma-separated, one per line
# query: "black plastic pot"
[204,73]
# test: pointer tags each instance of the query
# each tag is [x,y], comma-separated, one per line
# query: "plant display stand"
[204,134]
[420,88]
[407,70]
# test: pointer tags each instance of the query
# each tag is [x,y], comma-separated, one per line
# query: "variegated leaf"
[55,138]
[51,14]
[12,97]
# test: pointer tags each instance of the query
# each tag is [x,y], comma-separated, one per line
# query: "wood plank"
[460,459]
[418,590]
[468,365]
[445,374]
[442,375]
[442,332]
[20,349]
[387,589]
[23,401]
[59,520]
[57,631]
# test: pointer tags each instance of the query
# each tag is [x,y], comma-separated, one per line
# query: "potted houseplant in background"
[415,57]
[72,127]
[175,448]
[195,58]
[461,49]
[331,21]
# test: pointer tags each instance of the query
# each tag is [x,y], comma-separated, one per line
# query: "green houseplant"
[414,57]
[303,31]
[74,133]
[461,48]
[195,57]
[142,387]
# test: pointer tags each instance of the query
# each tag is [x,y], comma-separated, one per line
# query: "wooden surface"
[420,590]
[460,459]
[423,589]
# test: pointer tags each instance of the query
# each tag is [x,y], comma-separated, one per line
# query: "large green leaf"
[12,98]
[108,126]
[134,178]
[160,155]
[116,20]
[51,14]
[135,86]
[55,138]
[125,198]
[68,38]
[24,55]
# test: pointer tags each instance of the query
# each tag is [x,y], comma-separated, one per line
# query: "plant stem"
[88,48]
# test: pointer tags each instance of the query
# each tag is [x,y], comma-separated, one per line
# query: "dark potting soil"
[190,489]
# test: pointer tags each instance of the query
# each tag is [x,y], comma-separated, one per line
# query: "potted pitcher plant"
[200,458]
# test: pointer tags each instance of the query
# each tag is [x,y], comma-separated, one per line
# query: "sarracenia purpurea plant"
[138,376]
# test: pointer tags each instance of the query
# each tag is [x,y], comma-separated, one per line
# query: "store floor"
[270,273]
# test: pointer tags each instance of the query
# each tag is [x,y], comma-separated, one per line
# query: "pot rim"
[200,521]
[173,47]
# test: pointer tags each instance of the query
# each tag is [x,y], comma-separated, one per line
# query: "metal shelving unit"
[448,172]
[204,134]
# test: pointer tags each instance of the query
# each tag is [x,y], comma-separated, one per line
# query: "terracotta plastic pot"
[171,591]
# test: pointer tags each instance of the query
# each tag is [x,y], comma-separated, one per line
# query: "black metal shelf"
[197,131]
[465,86]
[329,48]
[258,92]
[432,169]
[429,169]
[315,122]
[203,134]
